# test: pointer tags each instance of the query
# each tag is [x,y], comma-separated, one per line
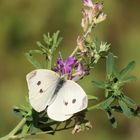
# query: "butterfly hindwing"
[41,85]
[70,99]
[76,99]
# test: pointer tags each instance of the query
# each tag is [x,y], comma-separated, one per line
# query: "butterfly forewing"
[41,85]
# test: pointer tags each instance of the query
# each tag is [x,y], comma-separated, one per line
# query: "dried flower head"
[92,13]
[82,127]
[88,125]
[76,129]
[80,44]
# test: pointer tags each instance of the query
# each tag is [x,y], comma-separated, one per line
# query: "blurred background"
[22,23]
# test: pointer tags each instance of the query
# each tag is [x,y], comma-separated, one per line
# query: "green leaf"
[52,42]
[110,64]
[22,111]
[104,105]
[47,39]
[19,112]
[56,40]
[25,129]
[42,47]
[35,51]
[126,110]
[91,97]
[116,72]
[130,102]
[126,70]
[98,84]
[111,119]
[128,79]
[32,60]
[33,129]
[96,44]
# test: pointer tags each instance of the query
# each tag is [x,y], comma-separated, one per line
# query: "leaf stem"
[94,107]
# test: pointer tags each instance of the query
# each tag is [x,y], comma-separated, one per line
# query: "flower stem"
[15,130]
[19,126]
[84,38]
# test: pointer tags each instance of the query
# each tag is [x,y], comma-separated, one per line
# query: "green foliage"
[128,101]
[110,65]
[47,48]
[106,104]
[124,72]
[91,97]
[99,84]
[32,60]
[126,110]
[113,88]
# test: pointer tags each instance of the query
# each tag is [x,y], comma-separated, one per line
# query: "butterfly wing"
[55,110]
[41,84]
[70,99]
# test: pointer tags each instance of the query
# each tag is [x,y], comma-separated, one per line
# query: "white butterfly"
[62,98]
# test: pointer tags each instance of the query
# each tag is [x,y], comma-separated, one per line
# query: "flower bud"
[100,18]
[88,125]
[80,44]
[104,47]
[88,3]
[76,129]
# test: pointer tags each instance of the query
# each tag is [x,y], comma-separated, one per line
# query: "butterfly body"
[61,97]
[60,84]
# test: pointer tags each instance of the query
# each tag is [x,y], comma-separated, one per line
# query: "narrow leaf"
[128,79]
[42,47]
[127,112]
[110,64]
[99,84]
[104,105]
[91,97]
[33,129]
[126,70]
[56,40]
[21,111]
[129,101]
[25,129]
[35,51]
[116,72]
[32,60]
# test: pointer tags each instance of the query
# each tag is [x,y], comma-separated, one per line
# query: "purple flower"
[71,68]
[80,72]
[88,3]
[65,67]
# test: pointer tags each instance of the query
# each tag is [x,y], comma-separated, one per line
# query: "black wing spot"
[65,103]
[41,91]
[74,101]
[38,83]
